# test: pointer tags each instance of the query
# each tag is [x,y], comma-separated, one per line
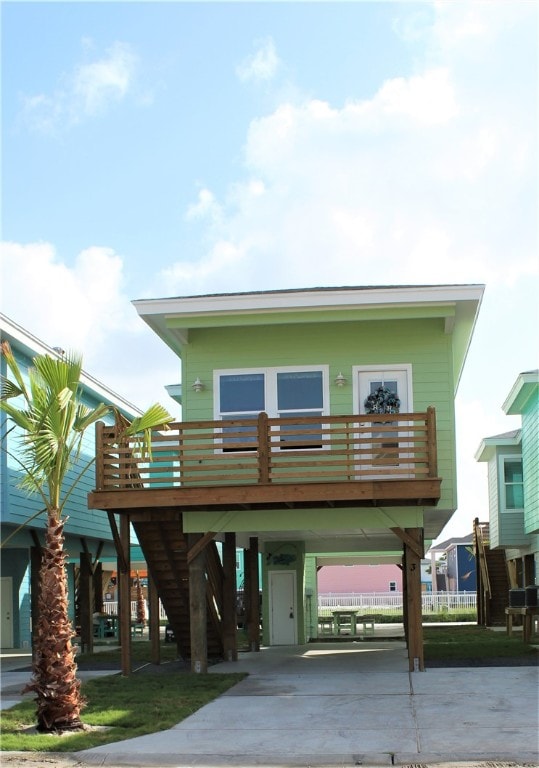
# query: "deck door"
[385,455]
[283,613]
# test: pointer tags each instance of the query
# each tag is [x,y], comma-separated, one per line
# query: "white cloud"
[89,90]
[96,84]
[206,207]
[260,66]
[426,99]
[84,308]
[434,177]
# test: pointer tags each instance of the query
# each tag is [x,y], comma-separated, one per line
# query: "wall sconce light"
[197,385]
[340,380]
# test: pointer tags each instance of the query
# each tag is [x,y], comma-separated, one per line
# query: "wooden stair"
[499,585]
[492,578]
[165,550]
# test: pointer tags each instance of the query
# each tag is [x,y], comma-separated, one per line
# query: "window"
[281,393]
[513,483]
[392,586]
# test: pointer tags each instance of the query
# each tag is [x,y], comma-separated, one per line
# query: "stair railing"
[484,588]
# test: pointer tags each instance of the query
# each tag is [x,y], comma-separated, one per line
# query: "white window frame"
[270,390]
[386,368]
[502,459]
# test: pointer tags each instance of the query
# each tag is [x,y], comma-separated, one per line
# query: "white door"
[283,613]
[387,454]
[6,609]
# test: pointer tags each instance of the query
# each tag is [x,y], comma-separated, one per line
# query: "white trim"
[386,368]
[502,458]
[342,298]
[358,369]
[270,385]
[34,346]
[529,377]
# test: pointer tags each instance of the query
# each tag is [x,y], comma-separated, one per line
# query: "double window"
[280,392]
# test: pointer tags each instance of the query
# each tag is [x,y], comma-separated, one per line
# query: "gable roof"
[488,445]
[444,545]
[523,390]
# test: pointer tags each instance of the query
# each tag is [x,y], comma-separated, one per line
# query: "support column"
[154,622]
[35,567]
[414,617]
[86,602]
[253,607]
[230,646]
[97,586]
[124,596]
[197,608]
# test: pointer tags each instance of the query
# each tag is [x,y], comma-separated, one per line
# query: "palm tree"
[52,421]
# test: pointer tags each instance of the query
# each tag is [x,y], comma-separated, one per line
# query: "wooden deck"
[356,460]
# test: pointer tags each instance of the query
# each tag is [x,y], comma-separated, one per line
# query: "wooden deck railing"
[271,451]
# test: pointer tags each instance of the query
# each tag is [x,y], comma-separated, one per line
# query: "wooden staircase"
[165,550]
[493,579]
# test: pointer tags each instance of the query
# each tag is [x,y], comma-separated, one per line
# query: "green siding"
[530,462]
[510,523]
[493,499]
[421,343]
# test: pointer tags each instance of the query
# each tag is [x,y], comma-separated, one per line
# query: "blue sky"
[158,149]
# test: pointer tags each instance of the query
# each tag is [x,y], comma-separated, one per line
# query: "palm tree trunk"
[58,697]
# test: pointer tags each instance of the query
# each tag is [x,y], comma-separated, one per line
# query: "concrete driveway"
[352,703]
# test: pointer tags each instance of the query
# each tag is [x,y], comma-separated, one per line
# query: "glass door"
[384,391]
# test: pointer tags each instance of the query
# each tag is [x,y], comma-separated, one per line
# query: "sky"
[173,148]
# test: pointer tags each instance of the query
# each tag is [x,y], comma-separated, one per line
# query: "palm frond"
[156,416]
[9,389]
[5,350]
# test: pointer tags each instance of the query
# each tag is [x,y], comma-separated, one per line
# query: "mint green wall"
[530,465]
[311,598]
[340,345]
[509,525]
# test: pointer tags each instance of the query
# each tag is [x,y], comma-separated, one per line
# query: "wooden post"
[86,602]
[124,596]
[432,452]
[253,607]
[97,586]
[230,623]
[197,608]
[154,622]
[412,573]
[404,596]
[99,464]
[264,452]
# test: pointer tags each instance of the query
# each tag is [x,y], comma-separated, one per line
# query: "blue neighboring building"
[22,526]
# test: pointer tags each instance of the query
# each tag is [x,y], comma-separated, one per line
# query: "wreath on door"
[382,400]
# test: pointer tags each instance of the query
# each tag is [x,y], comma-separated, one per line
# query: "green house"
[316,424]
[512,460]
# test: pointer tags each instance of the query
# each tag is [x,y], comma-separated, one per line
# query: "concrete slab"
[338,704]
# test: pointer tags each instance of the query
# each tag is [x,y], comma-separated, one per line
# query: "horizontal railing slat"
[247,451]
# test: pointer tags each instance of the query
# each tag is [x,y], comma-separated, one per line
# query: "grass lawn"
[472,642]
[119,707]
